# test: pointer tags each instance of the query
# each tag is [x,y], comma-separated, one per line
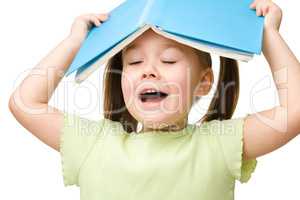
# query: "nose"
[145,75]
[150,72]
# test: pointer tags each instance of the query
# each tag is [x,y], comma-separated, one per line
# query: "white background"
[31,170]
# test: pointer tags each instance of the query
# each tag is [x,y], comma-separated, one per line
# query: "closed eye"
[169,62]
[134,63]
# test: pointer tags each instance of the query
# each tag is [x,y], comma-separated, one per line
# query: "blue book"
[226,28]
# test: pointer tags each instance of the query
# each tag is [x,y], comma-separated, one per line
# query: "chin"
[149,114]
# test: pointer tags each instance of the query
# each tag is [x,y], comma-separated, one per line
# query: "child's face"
[145,67]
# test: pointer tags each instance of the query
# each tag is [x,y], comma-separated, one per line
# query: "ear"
[205,83]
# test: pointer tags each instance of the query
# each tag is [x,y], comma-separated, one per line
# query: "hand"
[272,13]
[83,23]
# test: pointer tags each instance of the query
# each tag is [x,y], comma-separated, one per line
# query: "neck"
[177,126]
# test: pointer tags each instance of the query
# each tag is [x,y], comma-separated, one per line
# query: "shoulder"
[221,127]
[225,122]
[226,137]
[79,124]
[78,138]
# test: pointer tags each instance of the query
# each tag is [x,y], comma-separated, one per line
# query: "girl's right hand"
[83,23]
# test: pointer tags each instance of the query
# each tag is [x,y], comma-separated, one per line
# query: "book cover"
[229,25]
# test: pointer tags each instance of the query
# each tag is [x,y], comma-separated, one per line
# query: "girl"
[144,148]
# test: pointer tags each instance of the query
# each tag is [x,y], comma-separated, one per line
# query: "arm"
[268,130]
[29,102]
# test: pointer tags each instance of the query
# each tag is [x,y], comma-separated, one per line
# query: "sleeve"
[77,137]
[231,141]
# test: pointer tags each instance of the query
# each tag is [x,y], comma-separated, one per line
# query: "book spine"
[145,13]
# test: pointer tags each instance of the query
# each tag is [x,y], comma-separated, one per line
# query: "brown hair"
[220,107]
[226,95]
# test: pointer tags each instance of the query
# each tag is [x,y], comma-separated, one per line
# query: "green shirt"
[197,162]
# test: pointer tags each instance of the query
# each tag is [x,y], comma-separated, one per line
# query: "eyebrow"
[166,45]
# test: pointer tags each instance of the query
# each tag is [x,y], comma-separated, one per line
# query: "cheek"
[180,85]
[127,85]
[181,82]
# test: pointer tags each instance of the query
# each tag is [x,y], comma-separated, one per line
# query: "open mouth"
[152,95]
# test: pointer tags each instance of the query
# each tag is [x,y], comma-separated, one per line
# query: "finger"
[263,7]
[103,16]
[265,11]
[96,21]
[253,4]
[259,9]
[266,8]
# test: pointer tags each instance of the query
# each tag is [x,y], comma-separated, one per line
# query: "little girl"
[144,148]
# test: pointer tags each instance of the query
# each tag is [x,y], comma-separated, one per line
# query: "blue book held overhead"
[227,28]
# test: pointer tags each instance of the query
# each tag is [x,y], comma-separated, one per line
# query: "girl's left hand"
[271,12]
